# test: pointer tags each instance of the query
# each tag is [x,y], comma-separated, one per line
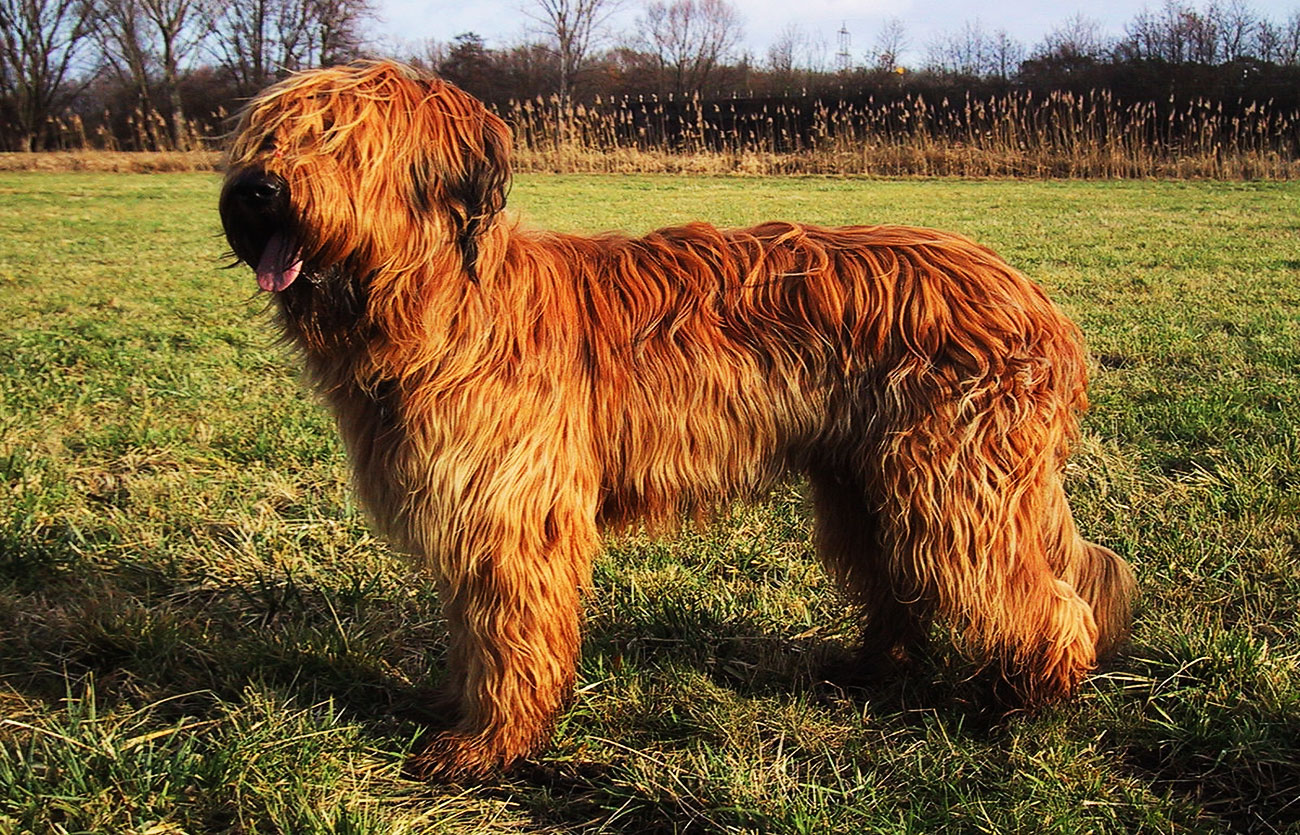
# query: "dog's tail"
[1108,584]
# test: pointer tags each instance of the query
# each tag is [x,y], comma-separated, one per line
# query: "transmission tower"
[843,58]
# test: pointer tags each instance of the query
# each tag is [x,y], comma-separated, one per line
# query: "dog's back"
[722,360]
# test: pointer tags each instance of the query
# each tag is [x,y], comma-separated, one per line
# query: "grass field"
[198,633]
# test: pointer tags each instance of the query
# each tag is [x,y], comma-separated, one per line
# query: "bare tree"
[39,40]
[1079,37]
[1238,29]
[427,53]
[1268,41]
[243,41]
[795,54]
[1157,35]
[334,30]
[690,38]
[144,41]
[1004,55]
[1202,33]
[890,42]
[1289,41]
[572,27]
[1177,34]
[119,30]
[258,40]
[782,55]
[1142,38]
[973,51]
[964,53]
[179,27]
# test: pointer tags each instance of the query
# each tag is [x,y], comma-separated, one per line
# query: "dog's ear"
[478,195]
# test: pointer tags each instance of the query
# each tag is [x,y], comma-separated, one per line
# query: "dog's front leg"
[511,599]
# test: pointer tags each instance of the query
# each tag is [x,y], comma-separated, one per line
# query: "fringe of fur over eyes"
[506,394]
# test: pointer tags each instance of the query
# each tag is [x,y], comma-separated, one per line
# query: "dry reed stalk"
[1060,135]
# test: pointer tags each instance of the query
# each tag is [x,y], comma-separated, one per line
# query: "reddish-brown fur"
[506,394]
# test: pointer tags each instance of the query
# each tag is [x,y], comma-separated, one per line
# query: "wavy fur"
[507,394]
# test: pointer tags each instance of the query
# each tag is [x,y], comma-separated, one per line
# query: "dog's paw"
[457,758]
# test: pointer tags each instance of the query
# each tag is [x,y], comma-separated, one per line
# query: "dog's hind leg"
[848,542]
[970,511]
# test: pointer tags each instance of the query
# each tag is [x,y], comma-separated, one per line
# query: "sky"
[503,23]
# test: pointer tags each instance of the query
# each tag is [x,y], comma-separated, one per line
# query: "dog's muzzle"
[255,214]
[258,191]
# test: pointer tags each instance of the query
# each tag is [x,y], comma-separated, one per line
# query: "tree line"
[155,73]
[165,74]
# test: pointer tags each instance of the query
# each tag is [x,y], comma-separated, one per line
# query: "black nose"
[258,190]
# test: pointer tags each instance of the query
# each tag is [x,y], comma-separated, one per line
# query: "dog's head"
[342,173]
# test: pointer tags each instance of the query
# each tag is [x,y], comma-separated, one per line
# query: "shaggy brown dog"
[506,394]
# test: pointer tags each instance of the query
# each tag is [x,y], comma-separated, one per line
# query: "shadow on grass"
[148,632]
[371,645]
[1215,729]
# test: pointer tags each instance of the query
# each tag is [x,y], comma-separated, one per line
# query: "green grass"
[199,634]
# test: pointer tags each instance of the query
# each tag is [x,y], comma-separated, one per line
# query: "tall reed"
[1059,135]
[1062,134]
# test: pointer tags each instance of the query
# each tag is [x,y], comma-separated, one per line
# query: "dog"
[506,395]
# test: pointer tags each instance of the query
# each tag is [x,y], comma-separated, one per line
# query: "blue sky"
[505,22]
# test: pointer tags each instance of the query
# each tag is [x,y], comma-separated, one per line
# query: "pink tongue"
[279,266]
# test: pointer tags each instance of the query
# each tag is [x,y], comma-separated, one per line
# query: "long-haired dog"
[506,394]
